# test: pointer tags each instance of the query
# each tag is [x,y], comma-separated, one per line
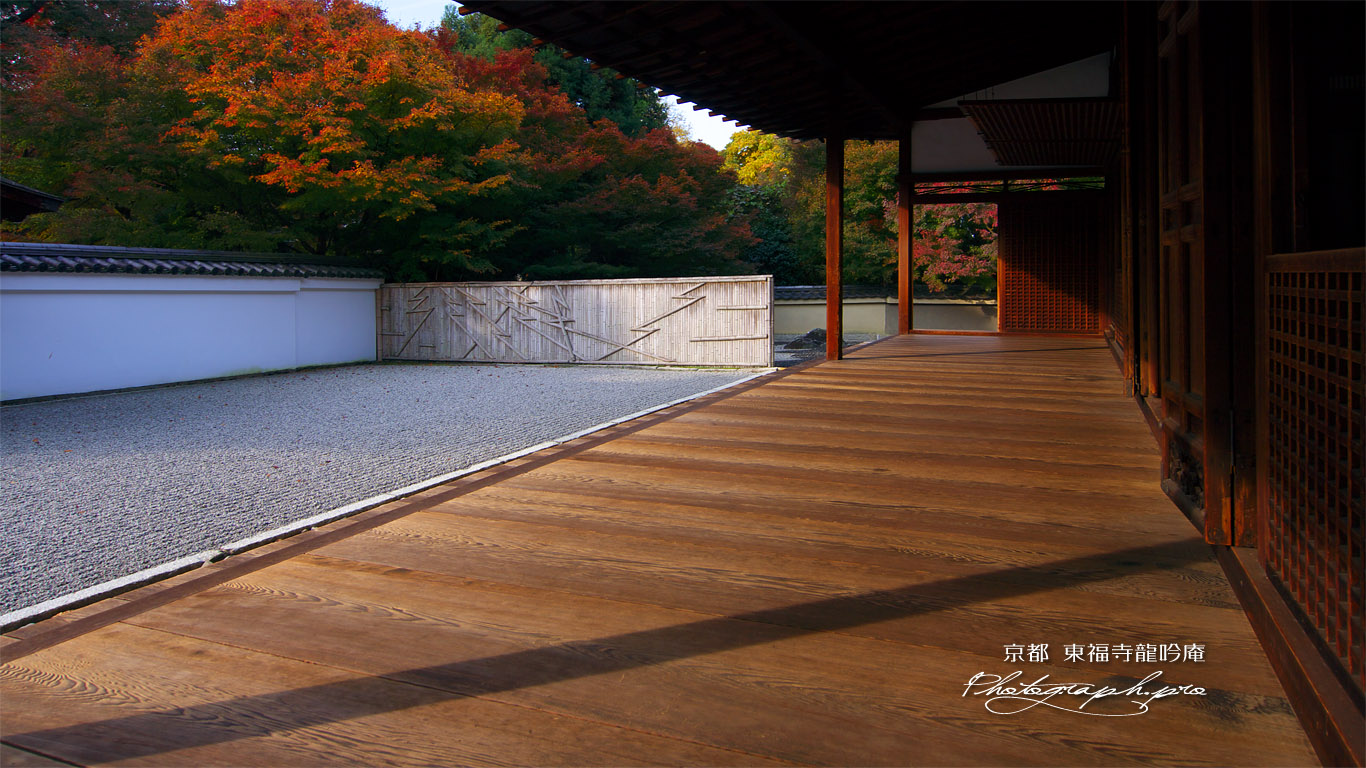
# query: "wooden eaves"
[858,70]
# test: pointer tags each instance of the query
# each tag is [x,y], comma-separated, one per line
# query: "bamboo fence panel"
[669,321]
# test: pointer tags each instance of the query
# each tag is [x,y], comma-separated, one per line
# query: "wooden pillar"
[834,245]
[905,299]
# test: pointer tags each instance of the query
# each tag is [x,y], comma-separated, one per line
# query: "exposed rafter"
[770,64]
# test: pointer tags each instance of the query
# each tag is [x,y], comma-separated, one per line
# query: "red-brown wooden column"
[905,310]
[834,245]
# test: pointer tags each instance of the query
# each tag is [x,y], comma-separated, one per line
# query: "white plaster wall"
[954,315]
[334,322]
[68,333]
[860,316]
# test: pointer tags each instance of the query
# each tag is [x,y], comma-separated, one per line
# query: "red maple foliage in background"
[317,126]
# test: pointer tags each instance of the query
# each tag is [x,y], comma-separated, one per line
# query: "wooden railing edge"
[1337,260]
[1332,720]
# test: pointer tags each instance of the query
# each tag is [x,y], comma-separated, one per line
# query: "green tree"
[590,201]
[117,25]
[61,65]
[760,159]
[953,244]
[763,164]
[599,93]
[773,252]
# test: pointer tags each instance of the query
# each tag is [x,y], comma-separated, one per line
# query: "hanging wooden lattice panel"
[1312,515]
[1048,270]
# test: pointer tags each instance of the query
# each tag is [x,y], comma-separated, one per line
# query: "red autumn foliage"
[315,125]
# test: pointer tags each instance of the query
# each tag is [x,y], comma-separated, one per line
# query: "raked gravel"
[96,488]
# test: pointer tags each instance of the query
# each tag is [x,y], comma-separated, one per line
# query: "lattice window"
[1048,271]
[1314,510]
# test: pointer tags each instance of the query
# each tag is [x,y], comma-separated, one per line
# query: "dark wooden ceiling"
[798,68]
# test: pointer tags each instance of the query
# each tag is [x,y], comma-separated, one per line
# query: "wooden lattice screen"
[1049,262]
[1312,511]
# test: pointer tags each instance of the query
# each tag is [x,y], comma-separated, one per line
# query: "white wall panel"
[68,333]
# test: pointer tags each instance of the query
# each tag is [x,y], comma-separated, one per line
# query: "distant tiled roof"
[800,292]
[48,257]
[793,292]
[18,201]
[38,194]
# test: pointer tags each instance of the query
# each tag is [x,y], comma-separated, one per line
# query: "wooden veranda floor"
[808,571]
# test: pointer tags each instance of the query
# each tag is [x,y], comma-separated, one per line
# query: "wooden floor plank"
[12,757]
[806,572]
[752,681]
[859,465]
[718,433]
[794,488]
[930,424]
[930,510]
[1176,571]
[728,580]
[111,698]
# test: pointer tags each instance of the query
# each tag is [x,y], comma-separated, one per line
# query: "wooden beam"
[834,244]
[1007,172]
[939,113]
[1228,319]
[905,300]
[997,197]
[968,197]
[831,60]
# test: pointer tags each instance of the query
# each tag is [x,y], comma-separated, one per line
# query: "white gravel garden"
[100,487]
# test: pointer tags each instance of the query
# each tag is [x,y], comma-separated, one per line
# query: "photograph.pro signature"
[1005,696]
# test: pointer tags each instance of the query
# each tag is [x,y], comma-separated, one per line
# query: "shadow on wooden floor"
[806,571]
[254,716]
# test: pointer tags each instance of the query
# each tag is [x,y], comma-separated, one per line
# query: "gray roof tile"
[793,292]
[50,257]
[800,292]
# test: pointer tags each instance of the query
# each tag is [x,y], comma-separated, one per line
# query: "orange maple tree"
[357,122]
[316,126]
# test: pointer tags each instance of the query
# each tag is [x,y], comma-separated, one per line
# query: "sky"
[428,13]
